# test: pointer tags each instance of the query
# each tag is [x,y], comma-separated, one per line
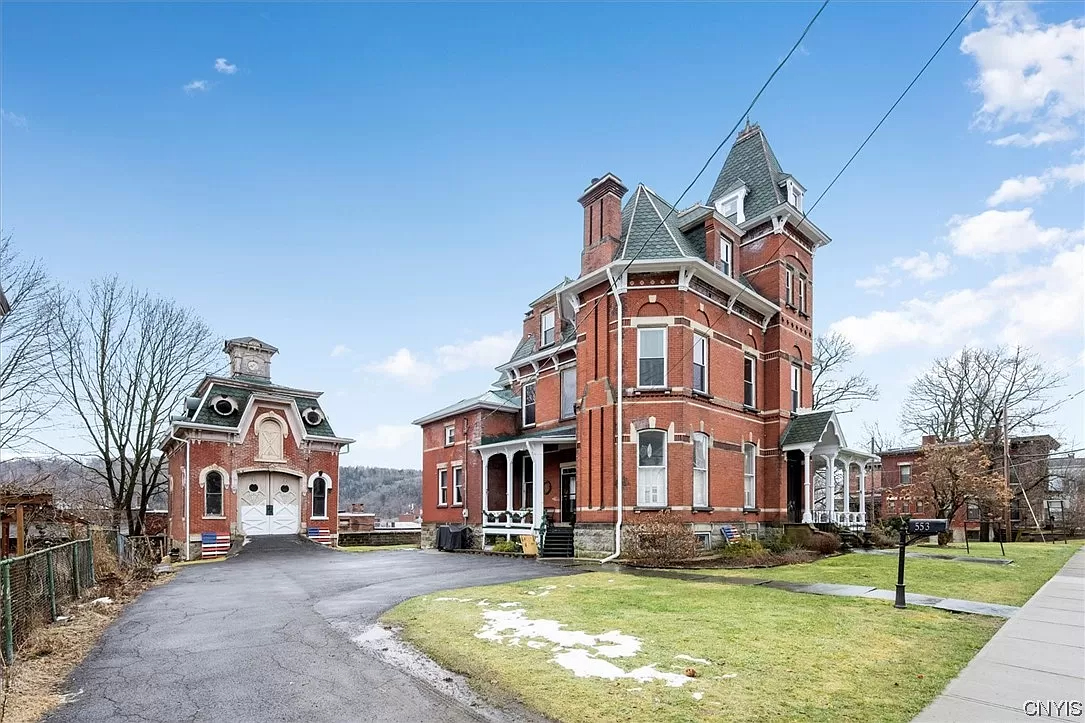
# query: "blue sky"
[379,191]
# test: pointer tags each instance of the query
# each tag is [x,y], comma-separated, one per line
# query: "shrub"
[779,545]
[662,540]
[795,557]
[824,542]
[742,548]
[506,546]
[879,537]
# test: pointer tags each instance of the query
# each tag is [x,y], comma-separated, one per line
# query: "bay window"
[749,476]
[652,468]
[652,357]
[700,470]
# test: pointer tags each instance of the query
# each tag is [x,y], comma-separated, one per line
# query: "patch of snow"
[453,599]
[537,644]
[692,659]
[508,605]
[635,690]
[698,695]
[729,675]
[101,601]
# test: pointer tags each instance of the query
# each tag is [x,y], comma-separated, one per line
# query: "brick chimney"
[929,439]
[602,202]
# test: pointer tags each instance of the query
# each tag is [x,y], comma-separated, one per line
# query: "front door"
[269,503]
[794,486]
[568,495]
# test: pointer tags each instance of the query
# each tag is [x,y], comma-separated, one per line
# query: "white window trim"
[561,393]
[802,293]
[794,195]
[457,491]
[753,381]
[796,387]
[258,425]
[450,434]
[739,196]
[900,475]
[707,467]
[528,464]
[523,404]
[727,256]
[749,479]
[789,286]
[663,491]
[696,338]
[640,336]
[550,316]
[442,487]
[223,481]
[312,499]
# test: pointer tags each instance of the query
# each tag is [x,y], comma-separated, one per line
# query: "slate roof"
[525,348]
[806,428]
[751,161]
[650,229]
[207,415]
[503,399]
[251,341]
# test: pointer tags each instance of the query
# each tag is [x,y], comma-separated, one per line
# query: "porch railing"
[502,521]
[843,519]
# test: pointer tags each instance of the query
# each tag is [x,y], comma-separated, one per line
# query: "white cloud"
[1023,188]
[341,350]
[1027,306]
[197,86]
[19,121]
[405,366]
[224,67]
[1028,72]
[922,267]
[1002,232]
[482,353]
[872,283]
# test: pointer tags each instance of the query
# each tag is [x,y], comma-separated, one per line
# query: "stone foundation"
[379,538]
[593,539]
[429,535]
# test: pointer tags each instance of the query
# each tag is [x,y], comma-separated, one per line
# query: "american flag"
[321,535]
[214,544]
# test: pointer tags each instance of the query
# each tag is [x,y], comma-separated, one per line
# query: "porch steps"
[558,542]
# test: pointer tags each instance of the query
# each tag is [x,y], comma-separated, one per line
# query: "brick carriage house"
[680,356]
[256,458]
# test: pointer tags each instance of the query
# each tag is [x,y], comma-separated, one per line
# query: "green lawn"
[774,655]
[1033,564]
[376,548]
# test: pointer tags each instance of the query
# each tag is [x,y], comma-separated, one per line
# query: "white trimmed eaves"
[792,216]
[541,355]
[446,413]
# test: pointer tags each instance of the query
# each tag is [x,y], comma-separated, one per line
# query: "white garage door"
[269,503]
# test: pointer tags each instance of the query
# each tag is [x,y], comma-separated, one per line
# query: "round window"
[254,487]
[284,488]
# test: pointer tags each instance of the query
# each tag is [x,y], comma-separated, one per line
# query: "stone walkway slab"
[976,608]
[1038,655]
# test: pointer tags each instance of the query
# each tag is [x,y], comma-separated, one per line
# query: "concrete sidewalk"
[1037,657]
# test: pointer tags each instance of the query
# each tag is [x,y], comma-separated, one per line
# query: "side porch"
[528,482]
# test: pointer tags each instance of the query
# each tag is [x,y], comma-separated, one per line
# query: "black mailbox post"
[921,529]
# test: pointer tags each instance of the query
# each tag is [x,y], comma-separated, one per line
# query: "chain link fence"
[34,587]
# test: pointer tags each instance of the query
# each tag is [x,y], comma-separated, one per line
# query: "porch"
[526,478]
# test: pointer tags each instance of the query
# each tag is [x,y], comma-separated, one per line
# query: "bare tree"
[121,359]
[833,385]
[963,396]
[24,401]
[880,439]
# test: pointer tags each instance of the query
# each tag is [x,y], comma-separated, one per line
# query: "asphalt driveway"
[266,636]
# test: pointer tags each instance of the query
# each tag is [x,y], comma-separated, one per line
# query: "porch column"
[807,514]
[508,480]
[832,487]
[847,486]
[862,493]
[535,449]
[485,485]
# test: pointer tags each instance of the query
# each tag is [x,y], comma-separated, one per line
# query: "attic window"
[794,195]
[732,204]
[548,328]
[224,406]
[312,416]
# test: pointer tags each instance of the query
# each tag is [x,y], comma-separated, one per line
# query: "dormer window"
[731,205]
[726,252]
[794,195]
[548,328]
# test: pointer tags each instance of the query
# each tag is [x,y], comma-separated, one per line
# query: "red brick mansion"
[255,458]
[673,373]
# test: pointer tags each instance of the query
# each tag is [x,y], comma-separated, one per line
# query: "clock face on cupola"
[250,357]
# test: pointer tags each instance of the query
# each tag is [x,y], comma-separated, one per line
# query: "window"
[528,403]
[212,495]
[905,471]
[651,357]
[548,328]
[527,486]
[749,475]
[457,485]
[700,470]
[652,468]
[270,440]
[1055,512]
[450,435]
[320,497]
[972,512]
[700,363]
[796,387]
[568,392]
[442,487]
[789,277]
[802,294]
[1056,484]
[794,195]
[749,387]
[726,251]
[729,207]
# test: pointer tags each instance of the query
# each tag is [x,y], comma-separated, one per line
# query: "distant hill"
[385,492]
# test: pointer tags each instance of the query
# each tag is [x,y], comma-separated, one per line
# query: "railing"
[843,519]
[508,519]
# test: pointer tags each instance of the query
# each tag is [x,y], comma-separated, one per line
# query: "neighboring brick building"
[1030,476]
[256,458]
[715,304]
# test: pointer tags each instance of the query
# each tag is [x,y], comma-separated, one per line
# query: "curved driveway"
[265,636]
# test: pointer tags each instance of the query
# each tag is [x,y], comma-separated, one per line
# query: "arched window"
[700,470]
[652,468]
[320,497]
[212,495]
[270,439]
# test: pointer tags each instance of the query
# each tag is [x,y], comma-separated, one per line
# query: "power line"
[722,143]
[853,156]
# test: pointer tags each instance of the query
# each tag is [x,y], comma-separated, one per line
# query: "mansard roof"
[752,163]
[504,400]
